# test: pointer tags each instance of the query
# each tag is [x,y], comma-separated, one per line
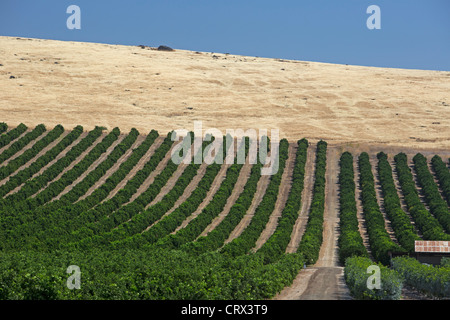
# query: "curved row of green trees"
[128,249]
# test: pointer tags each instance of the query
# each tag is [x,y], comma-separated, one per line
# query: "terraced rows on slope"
[104,218]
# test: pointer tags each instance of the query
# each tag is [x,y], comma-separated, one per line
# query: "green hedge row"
[104,209]
[443,176]
[67,219]
[379,239]
[431,280]
[55,187]
[131,233]
[312,237]
[196,226]
[357,271]
[81,188]
[3,127]
[247,239]
[39,221]
[103,231]
[99,209]
[171,222]
[19,161]
[33,185]
[18,145]
[438,206]
[41,162]
[400,222]
[350,240]
[276,245]
[6,138]
[424,221]
[143,275]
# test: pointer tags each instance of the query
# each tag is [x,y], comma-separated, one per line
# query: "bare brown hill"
[113,85]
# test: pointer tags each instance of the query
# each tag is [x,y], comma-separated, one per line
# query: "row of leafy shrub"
[21,201]
[438,206]
[23,175]
[443,175]
[78,212]
[427,224]
[360,275]
[216,238]
[118,209]
[143,275]
[33,185]
[3,127]
[12,134]
[133,217]
[158,220]
[99,194]
[312,238]
[380,241]
[62,209]
[433,281]
[19,144]
[350,240]
[401,224]
[246,241]
[14,164]
[123,196]
[198,224]
[276,245]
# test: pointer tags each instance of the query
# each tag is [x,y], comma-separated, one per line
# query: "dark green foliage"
[143,275]
[312,237]
[3,127]
[431,280]
[29,171]
[247,239]
[31,186]
[171,222]
[424,221]
[19,161]
[211,211]
[400,222]
[357,273]
[443,175]
[6,138]
[276,245]
[379,239]
[438,207]
[350,240]
[22,142]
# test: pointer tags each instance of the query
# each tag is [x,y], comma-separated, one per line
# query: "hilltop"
[75,83]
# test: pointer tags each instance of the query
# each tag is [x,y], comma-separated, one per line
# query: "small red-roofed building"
[431,251]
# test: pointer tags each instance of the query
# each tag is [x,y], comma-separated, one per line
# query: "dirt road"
[325,279]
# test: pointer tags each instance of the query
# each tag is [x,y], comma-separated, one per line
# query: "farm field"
[87,177]
[142,227]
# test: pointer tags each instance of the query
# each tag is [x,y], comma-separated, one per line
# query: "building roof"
[432,246]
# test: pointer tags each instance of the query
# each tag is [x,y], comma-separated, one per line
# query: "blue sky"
[414,34]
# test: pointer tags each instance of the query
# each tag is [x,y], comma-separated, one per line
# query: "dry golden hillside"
[91,84]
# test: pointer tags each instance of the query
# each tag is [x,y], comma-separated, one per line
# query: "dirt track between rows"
[283,194]
[324,280]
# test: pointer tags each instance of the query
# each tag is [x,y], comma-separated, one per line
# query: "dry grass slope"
[92,84]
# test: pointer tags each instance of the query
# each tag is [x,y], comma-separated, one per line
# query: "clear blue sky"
[414,33]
